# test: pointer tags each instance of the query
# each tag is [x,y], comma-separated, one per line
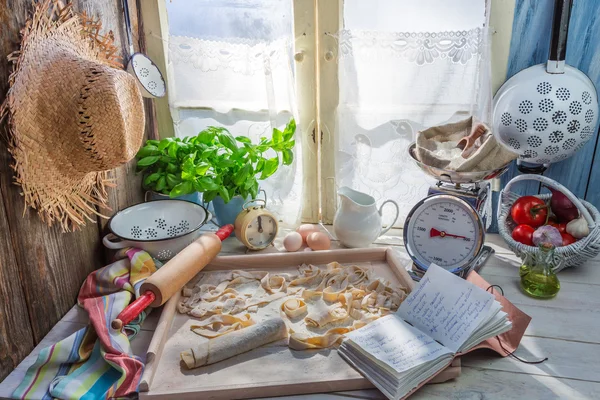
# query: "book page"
[446,307]
[396,343]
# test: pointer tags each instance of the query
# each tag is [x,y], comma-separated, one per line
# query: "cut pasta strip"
[293,308]
[219,325]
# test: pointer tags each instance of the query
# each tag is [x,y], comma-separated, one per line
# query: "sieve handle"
[128,26]
[558,41]
[554,185]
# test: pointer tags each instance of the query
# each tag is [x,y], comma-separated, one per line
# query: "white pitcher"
[357,221]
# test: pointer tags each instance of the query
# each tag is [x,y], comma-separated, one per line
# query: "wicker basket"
[574,254]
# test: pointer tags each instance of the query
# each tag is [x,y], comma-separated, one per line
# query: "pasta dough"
[333,301]
[234,343]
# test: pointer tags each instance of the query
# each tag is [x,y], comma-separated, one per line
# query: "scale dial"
[444,230]
[256,227]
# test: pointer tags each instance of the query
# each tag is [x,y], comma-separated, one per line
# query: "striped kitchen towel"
[95,362]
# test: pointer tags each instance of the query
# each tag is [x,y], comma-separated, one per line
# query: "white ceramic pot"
[162,228]
[357,221]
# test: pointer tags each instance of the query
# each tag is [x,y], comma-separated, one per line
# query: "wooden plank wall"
[41,269]
[530,46]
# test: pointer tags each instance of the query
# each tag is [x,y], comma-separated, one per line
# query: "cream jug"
[357,221]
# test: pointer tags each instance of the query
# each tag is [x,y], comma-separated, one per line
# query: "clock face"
[261,231]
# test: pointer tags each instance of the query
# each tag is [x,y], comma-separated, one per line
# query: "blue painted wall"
[529,46]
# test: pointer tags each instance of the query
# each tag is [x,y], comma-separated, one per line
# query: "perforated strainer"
[547,112]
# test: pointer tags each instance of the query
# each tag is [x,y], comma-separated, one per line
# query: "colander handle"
[554,185]
[558,41]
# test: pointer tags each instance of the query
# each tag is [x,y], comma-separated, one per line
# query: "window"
[385,69]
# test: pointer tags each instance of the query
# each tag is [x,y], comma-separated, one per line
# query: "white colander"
[547,112]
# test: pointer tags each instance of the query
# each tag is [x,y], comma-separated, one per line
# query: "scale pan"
[453,176]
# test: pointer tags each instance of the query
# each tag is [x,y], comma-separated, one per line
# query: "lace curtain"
[230,64]
[403,66]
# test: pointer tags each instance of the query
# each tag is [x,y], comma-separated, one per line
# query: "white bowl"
[162,228]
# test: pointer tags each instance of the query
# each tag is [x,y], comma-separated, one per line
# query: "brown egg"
[292,241]
[318,241]
[305,229]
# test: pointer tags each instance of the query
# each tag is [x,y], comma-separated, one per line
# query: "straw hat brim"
[73,114]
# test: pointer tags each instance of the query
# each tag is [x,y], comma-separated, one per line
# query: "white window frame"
[317,88]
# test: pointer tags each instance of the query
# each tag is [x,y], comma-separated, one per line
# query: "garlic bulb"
[578,228]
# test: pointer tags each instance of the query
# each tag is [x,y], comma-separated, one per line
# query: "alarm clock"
[444,230]
[255,226]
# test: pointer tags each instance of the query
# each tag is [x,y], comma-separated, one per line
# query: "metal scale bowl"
[465,192]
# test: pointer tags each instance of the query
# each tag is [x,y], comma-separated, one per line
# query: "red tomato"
[567,239]
[562,227]
[523,234]
[529,210]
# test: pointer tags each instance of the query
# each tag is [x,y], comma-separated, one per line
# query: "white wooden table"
[565,329]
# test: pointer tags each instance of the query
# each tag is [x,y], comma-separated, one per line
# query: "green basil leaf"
[243,193]
[226,163]
[227,140]
[224,194]
[173,180]
[240,177]
[277,136]
[290,144]
[173,147]
[209,196]
[254,190]
[151,178]
[172,168]
[289,130]
[288,156]
[243,139]
[202,168]
[249,183]
[152,142]
[270,167]
[188,166]
[161,184]
[164,143]
[260,165]
[205,137]
[144,162]
[182,189]
[148,150]
[207,183]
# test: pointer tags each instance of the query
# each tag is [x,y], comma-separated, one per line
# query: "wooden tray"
[271,370]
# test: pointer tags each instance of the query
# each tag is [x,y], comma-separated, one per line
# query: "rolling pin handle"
[131,312]
[224,231]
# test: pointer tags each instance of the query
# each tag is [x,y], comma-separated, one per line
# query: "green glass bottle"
[538,278]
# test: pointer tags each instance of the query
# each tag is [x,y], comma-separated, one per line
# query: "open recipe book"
[444,315]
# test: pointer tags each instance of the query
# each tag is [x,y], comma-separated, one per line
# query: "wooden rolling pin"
[172,276]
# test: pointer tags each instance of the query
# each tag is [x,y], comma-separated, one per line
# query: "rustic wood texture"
[41,269]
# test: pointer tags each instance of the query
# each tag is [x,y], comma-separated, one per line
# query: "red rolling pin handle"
[131,312]
[224,231]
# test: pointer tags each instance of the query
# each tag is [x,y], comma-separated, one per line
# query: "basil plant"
[214,162]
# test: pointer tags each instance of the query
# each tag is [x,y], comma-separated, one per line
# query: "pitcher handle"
[395,219]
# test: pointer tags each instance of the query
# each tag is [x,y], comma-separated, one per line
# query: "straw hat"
[73,115]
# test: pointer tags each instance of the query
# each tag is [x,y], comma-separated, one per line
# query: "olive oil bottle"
[538,278]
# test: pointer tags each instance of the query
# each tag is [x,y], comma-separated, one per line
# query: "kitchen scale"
[448,226]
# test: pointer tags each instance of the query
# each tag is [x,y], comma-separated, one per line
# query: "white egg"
[292,241]
[318,241]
